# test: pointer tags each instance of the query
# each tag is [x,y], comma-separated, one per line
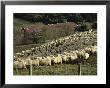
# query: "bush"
[84,26]
[94,25]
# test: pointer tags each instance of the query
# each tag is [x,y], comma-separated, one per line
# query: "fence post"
[79,68]
[30,68]
[87,68]
[16,70]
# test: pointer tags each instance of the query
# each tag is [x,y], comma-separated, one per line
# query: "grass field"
[88,67]
[64,69]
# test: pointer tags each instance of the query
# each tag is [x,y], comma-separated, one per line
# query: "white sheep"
[23,52]
[65,58]
[91,50]
[86,56]
[40,58]
[19,54]
[28,51]
[19,65]
[35,62]
[57,59]
[15,58]
[94,49]
[66,38]
[80,54]
[88,50]
[32,48]
[73,56]
[45,61]
[90,31]
[28,61]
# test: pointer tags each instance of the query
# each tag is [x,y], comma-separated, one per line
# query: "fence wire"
[61,69]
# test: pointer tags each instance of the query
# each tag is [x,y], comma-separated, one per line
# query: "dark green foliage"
[92,60]
[84,26]
[53,18]
[89,17]
[94,25]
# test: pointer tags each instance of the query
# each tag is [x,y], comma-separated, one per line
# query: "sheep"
[69,57]
[86,56]
[28,61]
[45,61]
[94,49]
[80,34]
[65,58]
[73,56]
[91,50]
[57,59]
[15,58]
[80,54]
[19,65]
[90,31]
[23,52]
[35,62]
[28,51]
[88,50]
[66,38]
[19,54]
[33,49]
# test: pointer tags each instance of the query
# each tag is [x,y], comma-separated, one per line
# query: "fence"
[60,69]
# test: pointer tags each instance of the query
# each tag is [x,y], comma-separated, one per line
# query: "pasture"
[51,44]
[88,67]
[64,69]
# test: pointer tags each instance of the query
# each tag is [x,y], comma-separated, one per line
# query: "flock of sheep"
[59,51]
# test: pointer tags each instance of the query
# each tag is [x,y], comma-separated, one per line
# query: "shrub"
[84,26]
[94,25]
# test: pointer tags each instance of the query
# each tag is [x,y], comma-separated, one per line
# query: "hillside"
[55,44]
[49,32]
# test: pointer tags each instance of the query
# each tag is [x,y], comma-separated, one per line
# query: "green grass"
[24,47]
[88,67]
[64,69]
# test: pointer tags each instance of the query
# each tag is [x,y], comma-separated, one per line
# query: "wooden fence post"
[79,68]
[87,68]
[16,70]
[30,69]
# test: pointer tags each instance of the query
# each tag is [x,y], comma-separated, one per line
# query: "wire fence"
[61,69]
